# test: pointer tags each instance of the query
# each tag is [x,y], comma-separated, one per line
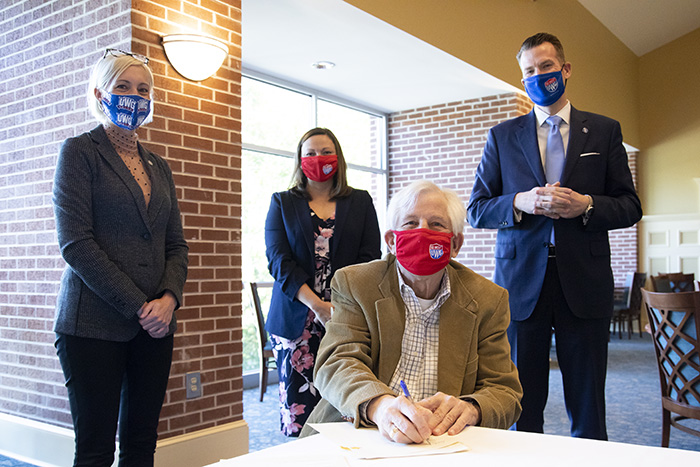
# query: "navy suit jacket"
[120,252]
[596,165]
[290,251]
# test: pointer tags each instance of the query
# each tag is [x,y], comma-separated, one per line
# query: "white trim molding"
[670,243]
[203,447]
[47,445]
[35,442]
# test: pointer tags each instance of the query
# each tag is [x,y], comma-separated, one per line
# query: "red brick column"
[46,56]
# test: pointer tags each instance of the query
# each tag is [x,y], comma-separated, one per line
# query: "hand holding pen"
[404,388]
[400,419]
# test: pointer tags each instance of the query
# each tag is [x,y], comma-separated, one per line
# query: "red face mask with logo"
[319,168]
[423,251]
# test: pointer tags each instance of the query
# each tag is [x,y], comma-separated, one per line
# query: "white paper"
[368,443]
[283,459]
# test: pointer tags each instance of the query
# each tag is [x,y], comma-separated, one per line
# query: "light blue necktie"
[554,154]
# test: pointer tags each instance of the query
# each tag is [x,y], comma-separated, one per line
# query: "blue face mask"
[127,112]
[545,89]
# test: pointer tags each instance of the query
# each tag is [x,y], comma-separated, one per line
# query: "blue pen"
[405,391]
[404,388]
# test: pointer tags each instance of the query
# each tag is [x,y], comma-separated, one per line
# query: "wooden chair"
[661,283]
[267,358]
[673,282]
[681,282]
[675,324]
[628,308]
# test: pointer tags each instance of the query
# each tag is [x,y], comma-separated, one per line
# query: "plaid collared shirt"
[418,366]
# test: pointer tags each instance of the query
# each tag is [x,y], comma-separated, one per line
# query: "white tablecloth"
[488,447]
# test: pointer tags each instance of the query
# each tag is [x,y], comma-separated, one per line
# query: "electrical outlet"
[193,385]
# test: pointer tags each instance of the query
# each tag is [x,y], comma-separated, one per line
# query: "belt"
[552,252]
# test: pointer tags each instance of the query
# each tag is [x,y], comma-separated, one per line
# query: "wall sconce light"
[194,56]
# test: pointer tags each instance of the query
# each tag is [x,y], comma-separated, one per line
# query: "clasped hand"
[403,421]
[155,316]
[552,200]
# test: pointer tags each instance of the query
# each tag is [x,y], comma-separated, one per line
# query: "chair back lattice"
[681,282]
[675,325]
[673,282]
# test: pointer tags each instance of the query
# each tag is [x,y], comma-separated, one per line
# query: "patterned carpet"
[633,404]
[9,462]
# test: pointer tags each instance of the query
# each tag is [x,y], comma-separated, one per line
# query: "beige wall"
[656,97]
[670,127]
[487,34]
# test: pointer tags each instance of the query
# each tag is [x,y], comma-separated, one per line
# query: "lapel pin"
[585,130]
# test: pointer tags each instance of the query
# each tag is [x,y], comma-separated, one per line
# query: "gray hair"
[405,200]
[105,73]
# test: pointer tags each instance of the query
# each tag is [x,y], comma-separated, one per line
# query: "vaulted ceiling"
[387,69]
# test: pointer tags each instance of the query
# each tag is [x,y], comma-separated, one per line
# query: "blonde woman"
[120,233]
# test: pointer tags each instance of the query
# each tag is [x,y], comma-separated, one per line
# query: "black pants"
[582,354]
[110,382]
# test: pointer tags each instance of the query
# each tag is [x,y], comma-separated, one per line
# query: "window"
[275,116]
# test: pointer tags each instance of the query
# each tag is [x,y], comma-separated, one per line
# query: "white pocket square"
[586,154]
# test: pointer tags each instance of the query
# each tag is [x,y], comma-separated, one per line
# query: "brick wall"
[46,52]
[624,243]
[199,133]
[443,143]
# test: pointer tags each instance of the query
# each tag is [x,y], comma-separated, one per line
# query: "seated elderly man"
[415,316]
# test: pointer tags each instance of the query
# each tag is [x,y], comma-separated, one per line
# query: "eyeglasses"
[119,53]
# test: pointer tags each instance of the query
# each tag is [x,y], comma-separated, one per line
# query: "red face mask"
[319,168]
[423,251]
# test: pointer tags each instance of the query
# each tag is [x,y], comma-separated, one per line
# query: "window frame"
[315,95]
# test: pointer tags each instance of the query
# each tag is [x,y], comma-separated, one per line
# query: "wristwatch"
[589,210]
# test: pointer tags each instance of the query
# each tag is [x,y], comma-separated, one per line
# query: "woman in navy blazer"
[315,228]
[120,233]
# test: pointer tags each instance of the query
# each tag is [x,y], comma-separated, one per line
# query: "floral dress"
[296,358]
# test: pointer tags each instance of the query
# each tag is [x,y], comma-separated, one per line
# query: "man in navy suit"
[552,250]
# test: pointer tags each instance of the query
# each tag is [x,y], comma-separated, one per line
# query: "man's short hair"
[539,39]
[405,200]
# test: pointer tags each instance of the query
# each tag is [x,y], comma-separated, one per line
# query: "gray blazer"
[120,253]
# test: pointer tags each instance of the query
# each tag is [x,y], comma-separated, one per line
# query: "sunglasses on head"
[119,53]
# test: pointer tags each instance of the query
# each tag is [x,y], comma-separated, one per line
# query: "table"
[488,447]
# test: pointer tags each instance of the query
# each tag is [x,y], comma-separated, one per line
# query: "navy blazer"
[596,165]
[119,253]
[290,253]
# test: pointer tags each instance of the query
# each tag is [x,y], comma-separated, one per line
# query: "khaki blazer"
[362,346]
